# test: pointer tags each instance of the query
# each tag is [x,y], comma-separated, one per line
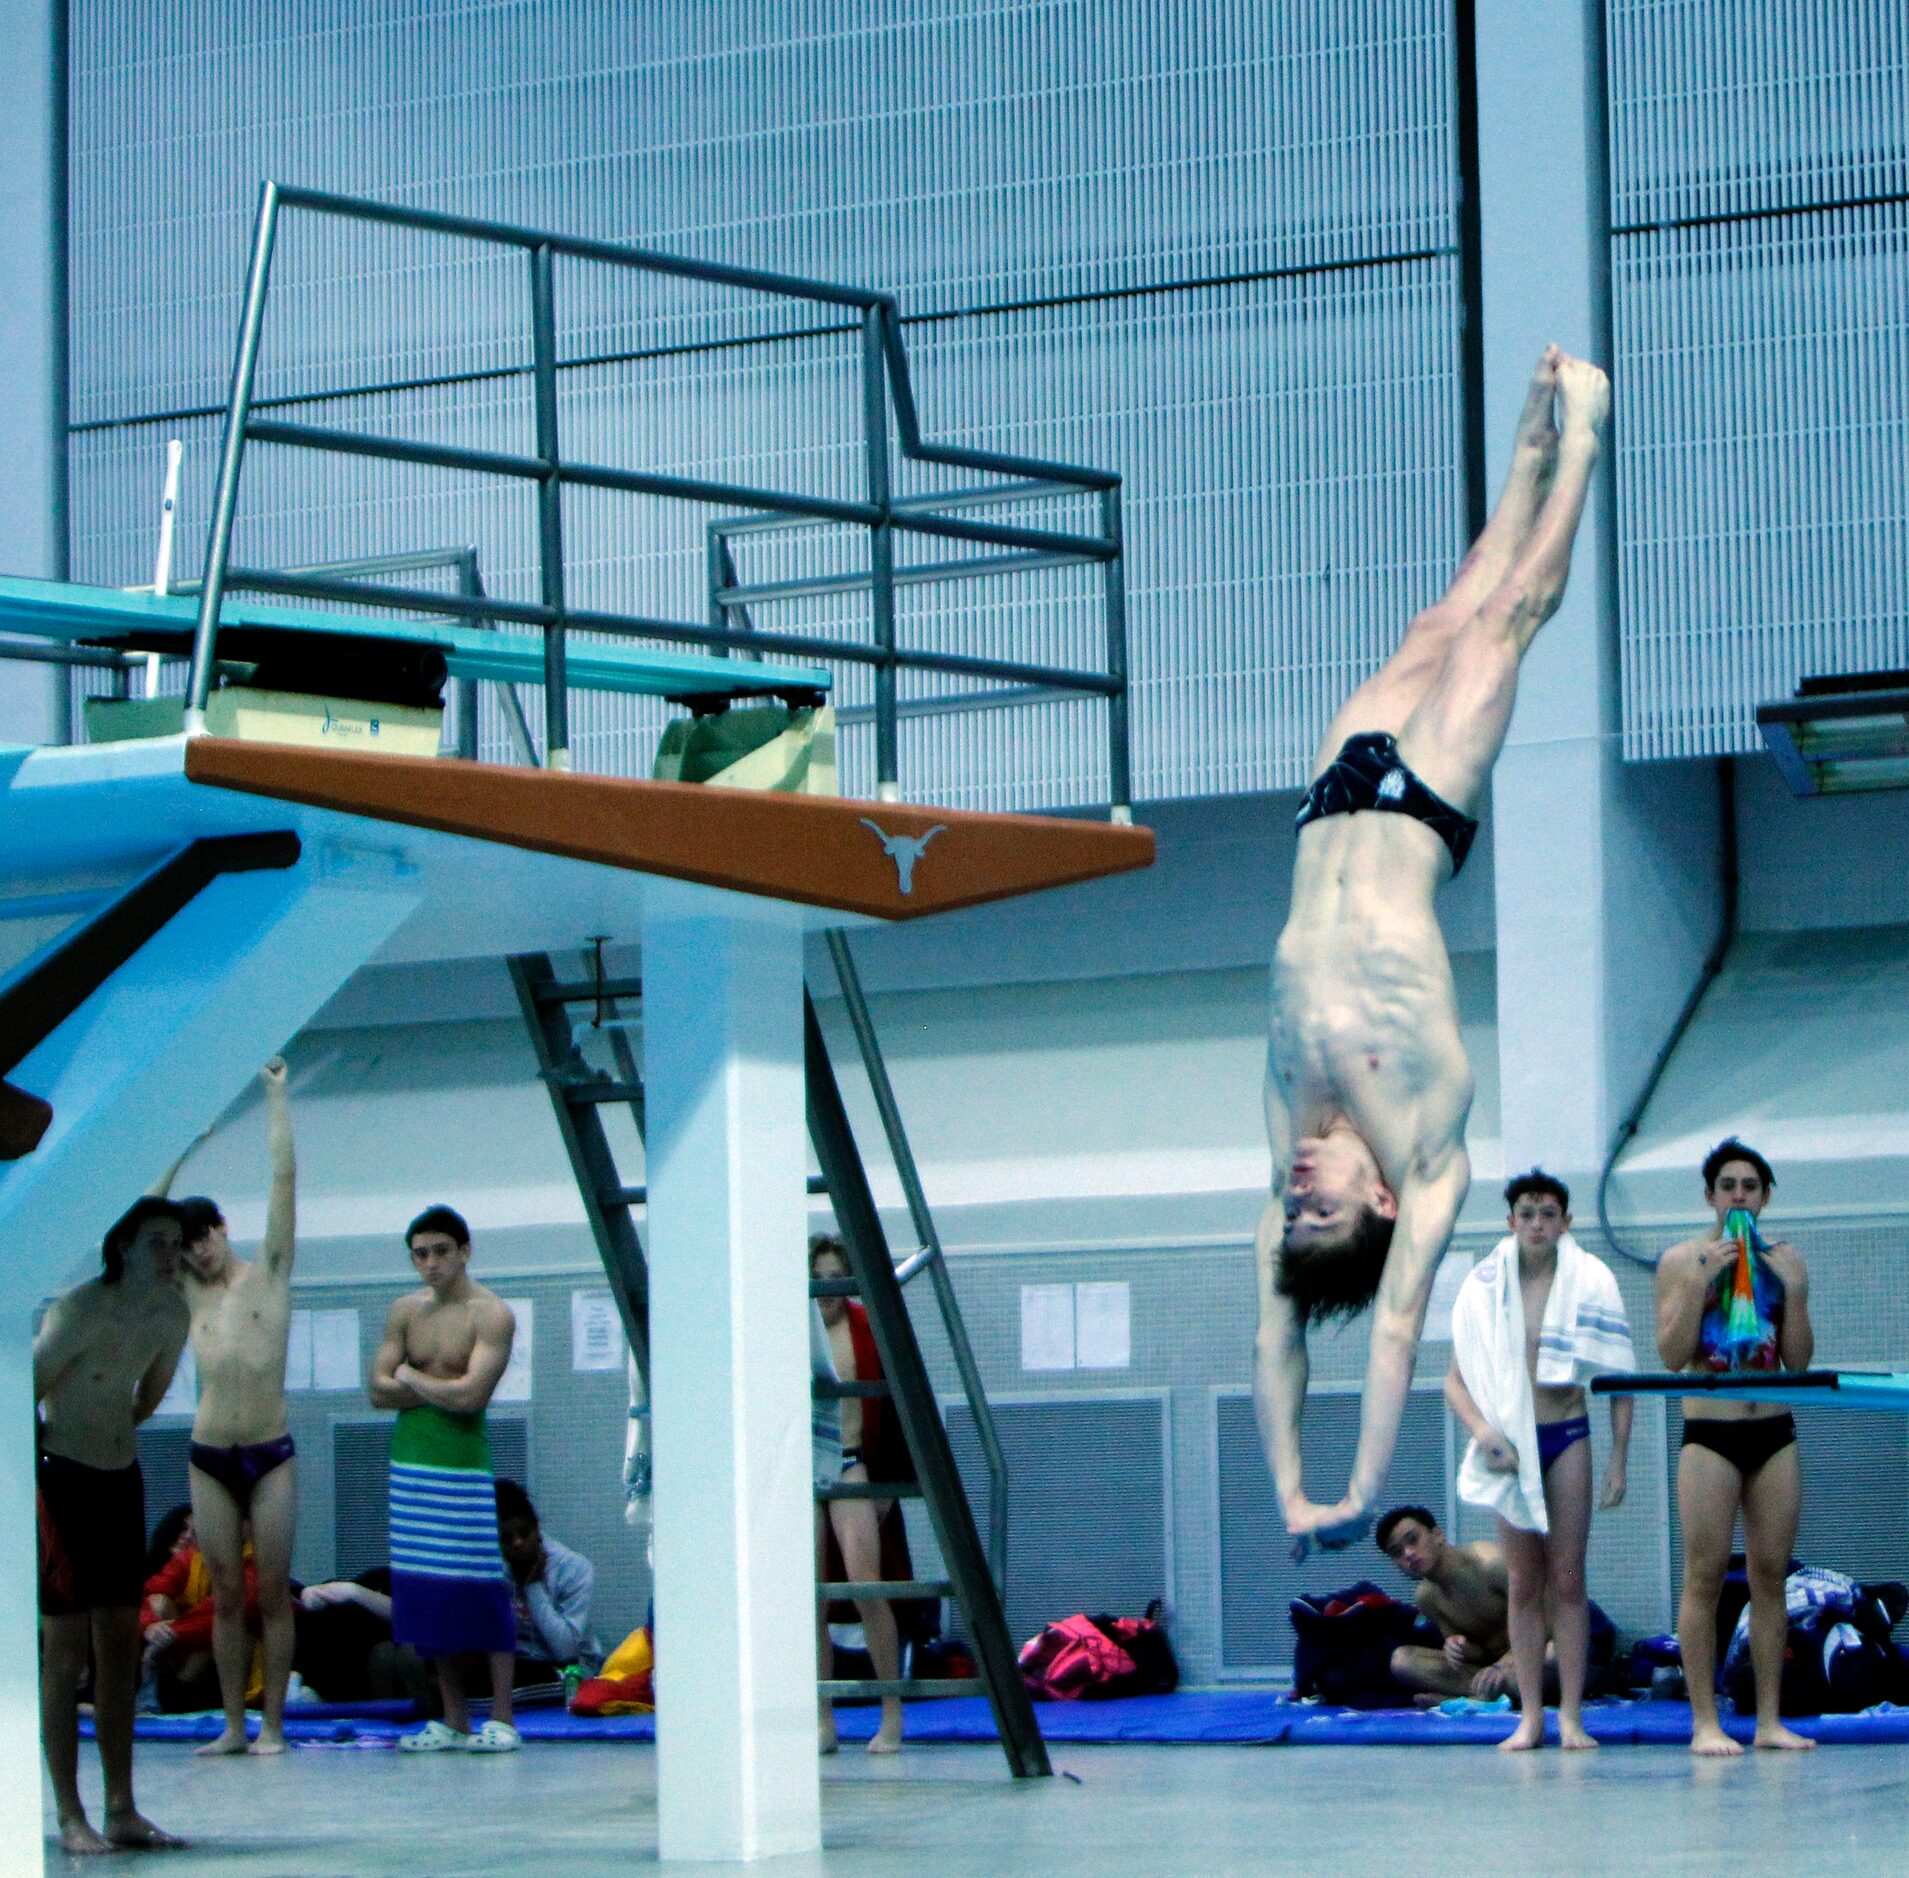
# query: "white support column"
[1604,876]
[729,1376]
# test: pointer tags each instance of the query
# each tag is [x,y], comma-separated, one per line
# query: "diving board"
[164,623]
[1803,1388]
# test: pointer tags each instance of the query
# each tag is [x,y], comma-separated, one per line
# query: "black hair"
[442,1219]
[1337,1280]
[165,1536]
[1423,1514]
[125,1229]
[514,1503]
[197,1217]
[1538,1182]
[820,1242]
[1731,1149]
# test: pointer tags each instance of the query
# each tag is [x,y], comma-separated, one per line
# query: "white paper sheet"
[182,1397]
[1103,1325]
[1047,1326]
[596,1331]
[516,1383]
[1452,1272]
[298,1352]
[335,1347]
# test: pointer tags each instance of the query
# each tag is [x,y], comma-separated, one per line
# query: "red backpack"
[1093,1659]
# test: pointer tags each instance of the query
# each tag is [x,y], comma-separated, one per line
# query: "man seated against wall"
[550,1587]
[1464,1590]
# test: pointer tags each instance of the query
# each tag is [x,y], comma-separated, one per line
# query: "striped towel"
[449,1589]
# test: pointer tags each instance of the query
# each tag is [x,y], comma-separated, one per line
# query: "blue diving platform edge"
[1803,1388]
[53,609]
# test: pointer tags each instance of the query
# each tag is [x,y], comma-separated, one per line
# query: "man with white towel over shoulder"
[1531,1322]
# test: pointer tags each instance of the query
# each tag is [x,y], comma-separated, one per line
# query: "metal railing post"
[472,588]
[1119,726]
[225,502]
[881,552]
[930,1254]
[543,341]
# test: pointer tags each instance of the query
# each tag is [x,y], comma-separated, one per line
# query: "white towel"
[1585,1331]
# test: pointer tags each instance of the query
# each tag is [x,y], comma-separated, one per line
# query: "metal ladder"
[580,1092]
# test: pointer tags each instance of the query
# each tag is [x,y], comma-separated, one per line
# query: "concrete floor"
[953,1812]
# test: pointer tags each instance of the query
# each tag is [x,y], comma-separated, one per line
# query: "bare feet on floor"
[138,1832]
[1571,1734]
[227,1743]
[826,1731]
[79,1838]
[1527,1735]
[1709,1738]
[270,1741]
[887,1738]
[1780,1737]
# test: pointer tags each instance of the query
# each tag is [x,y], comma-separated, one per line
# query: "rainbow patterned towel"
[1740,1320]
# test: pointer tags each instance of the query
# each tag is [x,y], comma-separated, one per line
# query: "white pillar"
[729,1375]
[1605,875]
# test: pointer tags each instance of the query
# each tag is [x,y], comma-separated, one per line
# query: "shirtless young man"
[856,1523]
[444,1352]
[1736,1453]
[1464,1590]
[1545,1569]
[1368,1088]
[242,1471]
[102,1362]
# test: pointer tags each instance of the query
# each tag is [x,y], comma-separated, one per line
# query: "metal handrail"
[885,384]
[929,1257]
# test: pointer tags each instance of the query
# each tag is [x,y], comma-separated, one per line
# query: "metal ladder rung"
[828,1389]
[905,1686]
[887,1588]
[639,1196]
[588,992]
[599,1092]
[870,1490]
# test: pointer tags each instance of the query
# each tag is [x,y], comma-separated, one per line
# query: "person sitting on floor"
[1465,1591]
[175,1621]
[345,1652]
[551,1588]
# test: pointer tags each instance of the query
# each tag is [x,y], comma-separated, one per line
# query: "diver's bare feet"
[887,1738]
[78,1837]
[227,1743]
[1584,399]
[135,1830]
[827,1742]
[1527,1735]
[1709,1738]
[1777,1736]
[1571,1733]
[270,1741]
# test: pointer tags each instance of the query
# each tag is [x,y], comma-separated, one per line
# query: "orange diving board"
[887,860]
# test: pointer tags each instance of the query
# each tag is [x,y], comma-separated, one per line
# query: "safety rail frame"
[885,384]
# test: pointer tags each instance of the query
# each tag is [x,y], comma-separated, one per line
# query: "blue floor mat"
[1238,1717]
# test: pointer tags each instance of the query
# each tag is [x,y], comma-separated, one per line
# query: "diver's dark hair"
[1545,1186]
[820,1242]
[197,1217]
[1382,1536]
[513,1502]
[442,1219]
[125,1229]
[165,1536]
[1340,1279]
[1731,1149]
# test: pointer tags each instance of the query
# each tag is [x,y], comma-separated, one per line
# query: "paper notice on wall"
[1047,1326]
[298,1352]
[1103,1325]
[596,1331]
[515,1385]
[1438,1314]
[182,1397]
[335,1346]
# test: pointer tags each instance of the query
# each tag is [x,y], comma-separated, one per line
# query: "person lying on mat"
[445,1350]
[1729,1302]
[1368,1087]
[242,1472]
[1532,1322]
[1464,1590]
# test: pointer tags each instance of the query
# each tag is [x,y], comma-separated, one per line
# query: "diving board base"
[1805,1388]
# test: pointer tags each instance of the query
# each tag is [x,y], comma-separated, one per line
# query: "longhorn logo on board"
[904,850]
